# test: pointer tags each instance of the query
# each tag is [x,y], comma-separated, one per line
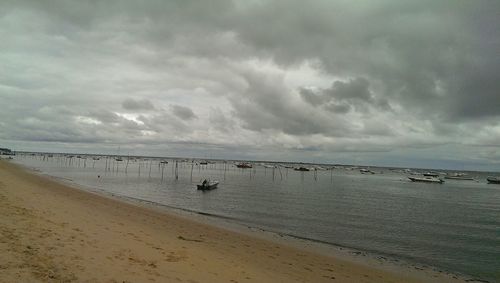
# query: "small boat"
[426,179]
[163,162]
[459,176]
[304,169]
[366,171]
[119,159]
[431,174]
[493,180]
[208,185]
[244,165]
[203,163]
[320,168]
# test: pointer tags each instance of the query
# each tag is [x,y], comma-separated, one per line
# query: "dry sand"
[50,232]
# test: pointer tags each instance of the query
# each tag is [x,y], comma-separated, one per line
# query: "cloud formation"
[326,77]
[182,112]
[139,104]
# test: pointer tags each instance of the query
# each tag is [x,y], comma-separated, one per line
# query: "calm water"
[455,226]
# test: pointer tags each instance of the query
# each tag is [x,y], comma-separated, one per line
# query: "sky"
[390,83]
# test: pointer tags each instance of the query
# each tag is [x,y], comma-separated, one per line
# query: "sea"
[454,226]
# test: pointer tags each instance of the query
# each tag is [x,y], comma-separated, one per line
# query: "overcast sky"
[397,83]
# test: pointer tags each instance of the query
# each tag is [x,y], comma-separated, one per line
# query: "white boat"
[319,168]
[208,185]
[459,176]
[426,179]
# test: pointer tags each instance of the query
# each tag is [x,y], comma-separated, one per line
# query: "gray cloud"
[219,121]
[266,104]
[353,89]
[311,96]
[342,97]
[416,51]
[104,116]
[139,104]
[184,113]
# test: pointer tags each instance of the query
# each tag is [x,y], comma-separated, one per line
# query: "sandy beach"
[51,232]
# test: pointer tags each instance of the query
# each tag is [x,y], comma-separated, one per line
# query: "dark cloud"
[351,90]
[184,113]
[137,104]
[266,105]
[219,121]
[342,97]
[311,96]
[104,116]
[342,108]
[416,51]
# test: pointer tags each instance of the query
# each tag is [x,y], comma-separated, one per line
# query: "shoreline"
[349,268]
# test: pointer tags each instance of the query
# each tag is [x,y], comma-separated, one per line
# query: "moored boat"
[320,168]
[459,176]
[493,180]
[244,165]
[301,169]
[207,185]
[426,179]
[366,171]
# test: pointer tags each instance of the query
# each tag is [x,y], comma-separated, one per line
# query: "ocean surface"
[454,226]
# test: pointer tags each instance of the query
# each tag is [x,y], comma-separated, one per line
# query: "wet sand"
[51,232]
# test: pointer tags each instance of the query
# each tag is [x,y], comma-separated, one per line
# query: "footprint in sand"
[174,257]
[187,239]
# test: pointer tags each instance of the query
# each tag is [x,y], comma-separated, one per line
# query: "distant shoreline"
[263,161]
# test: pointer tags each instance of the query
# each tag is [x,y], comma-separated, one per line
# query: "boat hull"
[207,187]
[459,178]
[431,175]
[426,180]
[493,180]
[244,165]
